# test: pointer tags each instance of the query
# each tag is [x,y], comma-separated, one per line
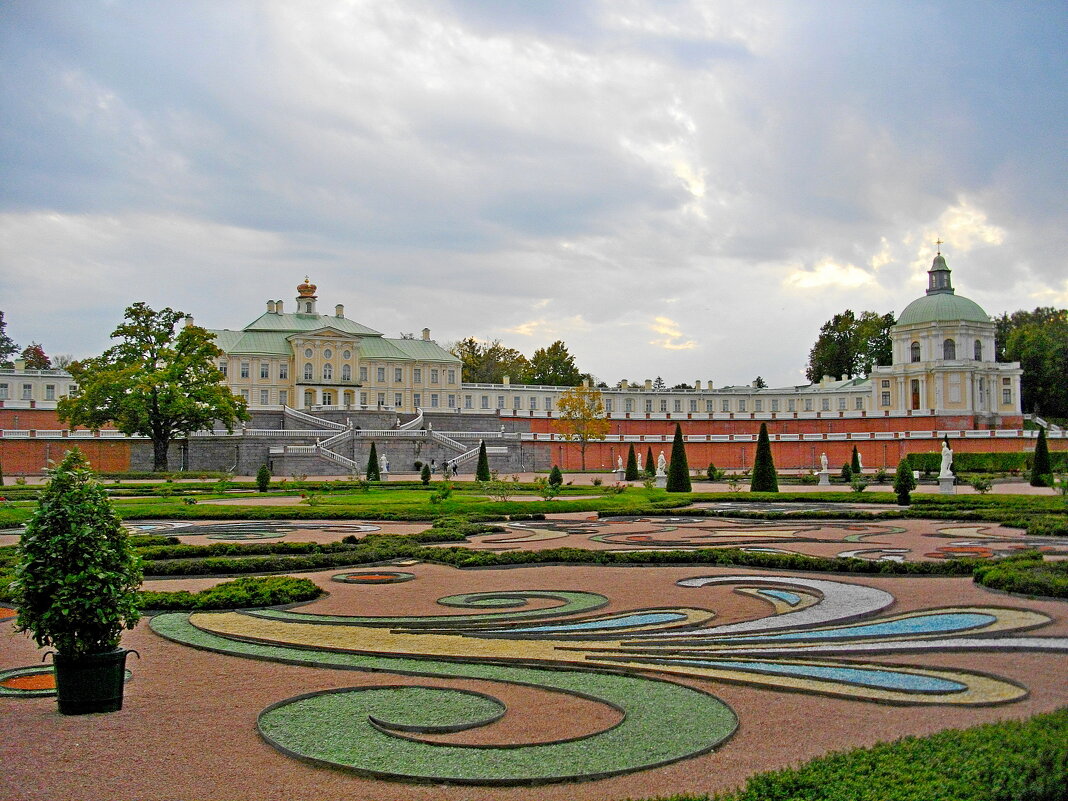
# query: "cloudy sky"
[683,189]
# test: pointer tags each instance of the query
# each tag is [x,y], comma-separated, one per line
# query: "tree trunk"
[582,450]
[159,455]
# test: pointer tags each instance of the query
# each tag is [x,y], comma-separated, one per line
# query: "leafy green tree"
[760,383]
[263,478]
[374,471]
[1041,470]
[650,465]
[482,471]
[854,462]
[35,357]
[556,478]
[489,363]
[580,417]
[765,478]
[678,477]
[632,465]
[1038,340]
[424,475]
[7,347]
[659,385]
[850,346]
[77,574]
[904,482]
[154,382]
[553,366]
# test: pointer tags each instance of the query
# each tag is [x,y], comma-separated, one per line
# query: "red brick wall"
[31,456]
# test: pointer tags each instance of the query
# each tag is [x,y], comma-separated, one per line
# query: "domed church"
[944,359]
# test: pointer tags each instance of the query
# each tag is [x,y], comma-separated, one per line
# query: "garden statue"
[619,463]
[661,464]
[823,462]
[639,458]
[944,470]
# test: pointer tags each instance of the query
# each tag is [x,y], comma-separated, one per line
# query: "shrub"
[482,471]
[418,465]
[678,477]
[240,593]
[546,488]
[556,478]
[373,472]
[854,462]
[764,476]
[632,465]
[881,476]
[981,484]
[904,482]
[597,481]
[424,475]
[859,483]
[846,473]
[712,473]
[1040,468]
[263,478]
[650,465]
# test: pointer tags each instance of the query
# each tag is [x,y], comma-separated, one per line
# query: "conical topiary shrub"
[424,474]
[263,478]
[904,482]
[650,465]
[678,477]
[854,463]
[482,471]
[632,465]
[1041,470]
[373,471]
[764,476]
[556,478]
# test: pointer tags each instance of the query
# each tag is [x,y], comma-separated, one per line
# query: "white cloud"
[672,336]
[828,275]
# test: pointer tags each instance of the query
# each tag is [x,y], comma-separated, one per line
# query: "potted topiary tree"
[76,582]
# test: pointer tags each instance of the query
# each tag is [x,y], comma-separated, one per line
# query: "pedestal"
[945,485]
[825,478]
[661,480]
[621,475]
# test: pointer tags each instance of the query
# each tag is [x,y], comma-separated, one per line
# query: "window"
[1006,396]
[417,400]
[914,351]
[500,401]
[516,402]
[283,396]
[50,391]
[418,377]
[758,405]
[265,397]
[741,405]
[468,402]
[628,404]
[398,399]
[1006,382]
[725,405]
[328,372]
[308,372]
[949,350]
[452,376]
[775,404]
[709,406]
[693,404]
[363,374]
[433,375]
[27,391]
[825,404]
[265,370]
[485,401]
[886,383]
[978,350]
[222,368]
[663,404]
[434,400]
[244,370]
[283,371]
[885,399]
[244,395]
[381,398]
[72,390]
[451,401]
[791,405]
[678,406]
[347,354]
[533,402]
[328,398]
[859,404]
[307,353]
[841,404]
[380,374]
[3,391]
[398,374]
[808,404]
[328,353]
[346,372]
[648,404]
[607,405]
[363,399]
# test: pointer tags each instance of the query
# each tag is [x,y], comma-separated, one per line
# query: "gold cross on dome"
[939,243]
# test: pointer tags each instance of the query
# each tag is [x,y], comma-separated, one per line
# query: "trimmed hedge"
[241,593]
[1015,461]
[1025,574]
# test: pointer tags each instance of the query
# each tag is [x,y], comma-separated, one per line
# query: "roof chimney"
[506,380]
[270,307]
[339,310]
[697,384]
[648,383]
[426,334]
[623,384]
[278,307]
[189,321]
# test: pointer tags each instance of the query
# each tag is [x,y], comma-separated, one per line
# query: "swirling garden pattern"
[820,636]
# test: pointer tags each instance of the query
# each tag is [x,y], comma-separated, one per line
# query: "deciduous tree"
[554,366]
[1038,340]
[489,363]
[850,346]
[581,417]
[154,382]
[35,357]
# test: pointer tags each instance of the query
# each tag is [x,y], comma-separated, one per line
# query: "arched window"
[308,372]
[328,371]
[978,350]
[346,372]
[949,350]
[915,351]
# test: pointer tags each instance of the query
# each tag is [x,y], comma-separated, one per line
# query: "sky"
[677,189]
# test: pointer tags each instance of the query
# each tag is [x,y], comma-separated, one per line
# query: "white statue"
[947,461]
[619,463]
[661,464]
[860,463]
[823,462]
[639,462]
[383,464]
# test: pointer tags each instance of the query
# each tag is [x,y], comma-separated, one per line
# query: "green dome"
[939,307]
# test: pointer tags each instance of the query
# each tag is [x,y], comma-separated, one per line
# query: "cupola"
[306,297]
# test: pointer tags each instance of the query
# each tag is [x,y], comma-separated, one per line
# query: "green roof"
[941,307]
[296,323]
[423,350]
[258,343]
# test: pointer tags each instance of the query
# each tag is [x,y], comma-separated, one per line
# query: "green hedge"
[1025,574]
[241,593]
[1014,461]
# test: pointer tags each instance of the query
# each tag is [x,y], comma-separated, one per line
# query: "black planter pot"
[91,683]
